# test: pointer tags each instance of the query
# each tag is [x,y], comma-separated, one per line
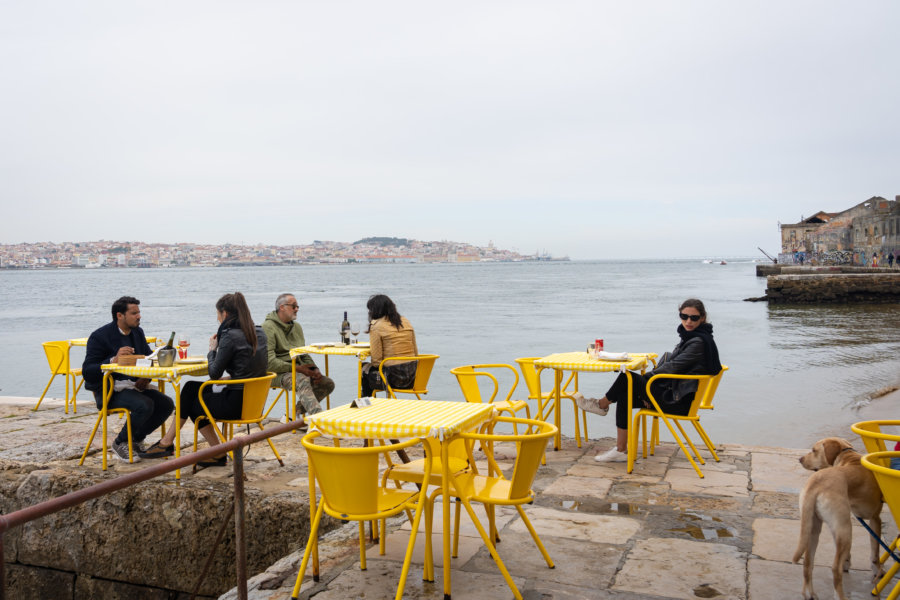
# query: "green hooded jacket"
[281,337]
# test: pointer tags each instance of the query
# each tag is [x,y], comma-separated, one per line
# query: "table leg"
[177,389]
[328,397]
[557,385]
[107,391]
[359,378]
[445,501]
[291,410]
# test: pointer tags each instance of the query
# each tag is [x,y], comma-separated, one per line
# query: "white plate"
[361,345]
[613,356]
[323,345]
[191,360]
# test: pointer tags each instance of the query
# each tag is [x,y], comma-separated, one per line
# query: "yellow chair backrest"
[348,477]
[706,389]
[530,447]
[256,391]
[888,478]
[872,436]
[57,357]
[530,374]
[424,366]
[468,377]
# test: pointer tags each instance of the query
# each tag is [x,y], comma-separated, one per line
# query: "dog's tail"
[807,516]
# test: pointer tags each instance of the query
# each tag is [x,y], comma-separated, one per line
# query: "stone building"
[850,237]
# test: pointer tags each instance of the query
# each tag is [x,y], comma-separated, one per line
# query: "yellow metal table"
[360,351]
[392,418]
[171,375]
[582,362]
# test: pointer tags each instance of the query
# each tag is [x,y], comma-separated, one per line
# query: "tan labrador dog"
[839,488]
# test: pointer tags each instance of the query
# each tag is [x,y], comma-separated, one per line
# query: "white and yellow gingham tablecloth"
[581,361]
[169,373]
[351,350]
[397,418]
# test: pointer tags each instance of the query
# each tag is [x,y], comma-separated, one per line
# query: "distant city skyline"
[586,129]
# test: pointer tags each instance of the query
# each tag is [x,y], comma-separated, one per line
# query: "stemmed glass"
[354,329]
[184,343]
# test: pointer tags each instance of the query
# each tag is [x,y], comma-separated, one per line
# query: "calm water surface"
[794,371]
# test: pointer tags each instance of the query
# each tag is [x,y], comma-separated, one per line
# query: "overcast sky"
[590,129]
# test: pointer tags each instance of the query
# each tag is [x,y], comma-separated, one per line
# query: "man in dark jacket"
[122,337]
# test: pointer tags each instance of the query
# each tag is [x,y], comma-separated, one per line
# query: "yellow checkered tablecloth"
[78,342]
[170,373]
[581,361]
[360,352]
[395,418]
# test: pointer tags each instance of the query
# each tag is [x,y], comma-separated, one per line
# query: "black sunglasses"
[685,317]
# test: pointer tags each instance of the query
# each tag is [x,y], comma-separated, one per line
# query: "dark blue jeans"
[149,409]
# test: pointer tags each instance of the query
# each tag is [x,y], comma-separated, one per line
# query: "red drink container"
[598,345]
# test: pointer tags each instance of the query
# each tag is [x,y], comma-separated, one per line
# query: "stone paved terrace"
[658,533]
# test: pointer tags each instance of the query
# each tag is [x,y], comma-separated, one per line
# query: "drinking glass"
[354,329]
[184,342]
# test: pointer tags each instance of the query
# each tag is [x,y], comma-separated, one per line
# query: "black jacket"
[235,355]
[102,347]
[695,354]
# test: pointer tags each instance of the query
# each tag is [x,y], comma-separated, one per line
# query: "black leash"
[880,541]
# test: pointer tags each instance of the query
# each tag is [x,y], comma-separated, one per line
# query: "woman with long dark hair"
[238,347]
[695,354]
[389,335]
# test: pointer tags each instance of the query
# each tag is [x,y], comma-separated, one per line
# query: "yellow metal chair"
[889,482]
[58,359]
[348,481]
[495,490]
[287,407]
[424,366]
[256,390]
[104,410]
[703,399]
[872,436]
[545,400]
[468,377]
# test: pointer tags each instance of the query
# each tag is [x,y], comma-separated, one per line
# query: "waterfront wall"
[149,541]
[832,288]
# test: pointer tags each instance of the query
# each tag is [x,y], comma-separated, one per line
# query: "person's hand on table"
[123,351]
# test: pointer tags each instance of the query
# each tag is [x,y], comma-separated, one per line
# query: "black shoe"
[120,451]
[157,451]
[211,462]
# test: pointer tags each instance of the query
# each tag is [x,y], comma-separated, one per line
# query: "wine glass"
[184,343]
[354,329]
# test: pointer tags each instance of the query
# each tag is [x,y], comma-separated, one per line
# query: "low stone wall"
[826,288]
[148,541]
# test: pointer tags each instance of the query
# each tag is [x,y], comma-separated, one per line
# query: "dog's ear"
[833,447]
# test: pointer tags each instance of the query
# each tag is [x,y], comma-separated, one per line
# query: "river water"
[795,371]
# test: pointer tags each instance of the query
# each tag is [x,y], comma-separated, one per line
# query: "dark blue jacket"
[102,347]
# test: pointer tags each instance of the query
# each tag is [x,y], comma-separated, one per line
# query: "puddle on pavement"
[704,527]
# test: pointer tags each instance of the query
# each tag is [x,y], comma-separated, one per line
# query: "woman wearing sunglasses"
[695,354]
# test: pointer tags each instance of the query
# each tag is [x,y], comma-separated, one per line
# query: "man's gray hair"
[281,300]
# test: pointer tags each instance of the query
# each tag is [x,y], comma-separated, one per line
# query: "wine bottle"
[171,341]
[345,330]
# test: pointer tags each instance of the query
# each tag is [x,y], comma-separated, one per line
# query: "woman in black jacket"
[695,354]
[239,348]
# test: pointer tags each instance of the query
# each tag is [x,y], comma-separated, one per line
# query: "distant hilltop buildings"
[862,235]
[108,254]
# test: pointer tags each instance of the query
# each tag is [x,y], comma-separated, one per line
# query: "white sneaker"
[612,455]
[591,405]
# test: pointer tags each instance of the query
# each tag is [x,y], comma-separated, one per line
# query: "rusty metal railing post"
[240,540]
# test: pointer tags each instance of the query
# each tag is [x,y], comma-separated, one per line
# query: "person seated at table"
[284,333]
[695,354]
[238,348]
[148,406]
[389,335]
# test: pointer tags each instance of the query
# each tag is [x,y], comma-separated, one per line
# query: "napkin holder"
[129,360]
[361,403]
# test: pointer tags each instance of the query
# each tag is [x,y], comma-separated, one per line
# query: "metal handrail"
[48,507]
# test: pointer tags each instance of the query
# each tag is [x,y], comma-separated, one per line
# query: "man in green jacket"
[282,334]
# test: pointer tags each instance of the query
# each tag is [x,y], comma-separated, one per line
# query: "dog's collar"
[845,449]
